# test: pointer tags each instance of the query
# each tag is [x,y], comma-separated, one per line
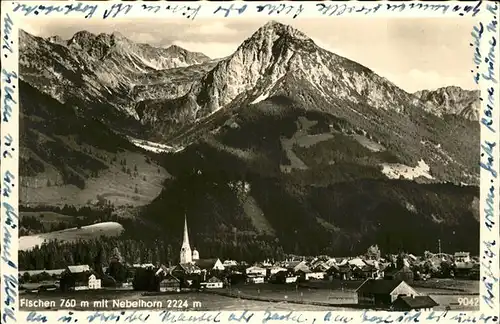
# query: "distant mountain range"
[452,100]
[281,140]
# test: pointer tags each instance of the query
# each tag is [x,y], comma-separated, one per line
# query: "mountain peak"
[276,29]
[176,49]
[82,34]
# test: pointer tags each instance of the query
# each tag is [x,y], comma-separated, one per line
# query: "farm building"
[382,293]
[417,303]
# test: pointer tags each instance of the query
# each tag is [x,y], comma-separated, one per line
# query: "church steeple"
[185,240]
[186,256]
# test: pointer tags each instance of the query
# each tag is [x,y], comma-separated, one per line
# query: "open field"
[263,296]
[457,285]
[208,301]
[72,234]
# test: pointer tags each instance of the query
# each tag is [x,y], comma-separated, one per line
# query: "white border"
[12,20]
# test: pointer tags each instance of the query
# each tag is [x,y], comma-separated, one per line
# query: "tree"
[116,269]
[115,256]
[373,252]
[26,277]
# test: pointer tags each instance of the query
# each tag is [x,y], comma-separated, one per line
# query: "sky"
[413,53]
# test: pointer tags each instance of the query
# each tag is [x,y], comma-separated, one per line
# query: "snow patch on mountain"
[154,146]
[260,98]
[396,171]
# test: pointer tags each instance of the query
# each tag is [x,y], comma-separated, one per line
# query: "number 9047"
[468,301]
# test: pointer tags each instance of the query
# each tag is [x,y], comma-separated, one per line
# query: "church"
[186,255]
[190,262]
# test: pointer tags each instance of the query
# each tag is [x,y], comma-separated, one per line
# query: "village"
[378,282]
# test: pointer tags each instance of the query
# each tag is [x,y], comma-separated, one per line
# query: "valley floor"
[339,296]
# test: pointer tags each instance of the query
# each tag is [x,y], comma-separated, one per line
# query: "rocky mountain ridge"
[103,69]
[452,100]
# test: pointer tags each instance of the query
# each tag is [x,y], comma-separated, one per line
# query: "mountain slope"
[289,142]
[64,159]
[452,101]
[278,60]
[279,173]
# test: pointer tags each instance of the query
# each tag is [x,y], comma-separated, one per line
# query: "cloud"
[216,28]
[143,38]
[415,80]
[211,49]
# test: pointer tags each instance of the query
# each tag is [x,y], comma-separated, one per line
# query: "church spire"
[185,256]
[185,240]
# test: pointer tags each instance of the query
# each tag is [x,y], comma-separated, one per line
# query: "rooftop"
[379,286]
[416,302]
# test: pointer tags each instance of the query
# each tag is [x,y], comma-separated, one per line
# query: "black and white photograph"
[258,164]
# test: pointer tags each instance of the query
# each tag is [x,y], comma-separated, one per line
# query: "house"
[302,267]
[404,273]
[366,271]
[212,283]
[143,265]
[461,257]
[320,267]
[164,270]
[316,275]
[382,293]
[295,266]
[170,283]
[255,280]
[256,271]
[184,269]
[267,263]
[357,262]
[230,263]
[209,264]
[79,277]
[93,282]
[342,272]
[274,270]
[417,303]
[283,277]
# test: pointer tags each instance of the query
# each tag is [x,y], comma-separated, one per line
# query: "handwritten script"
[484,36]
[231,9]
[373,317]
